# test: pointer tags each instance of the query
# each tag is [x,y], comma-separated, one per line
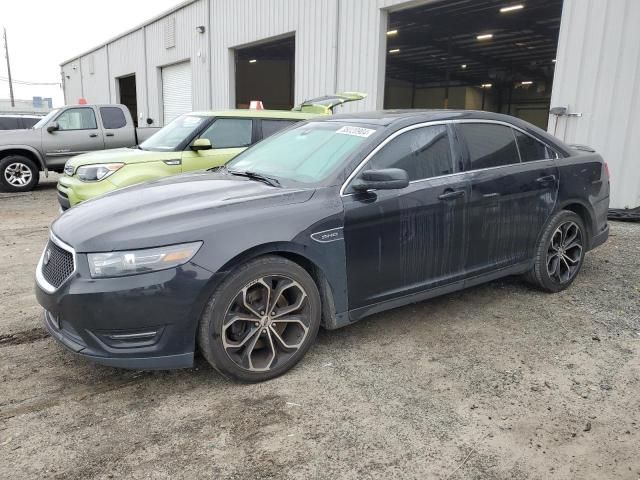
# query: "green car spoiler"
[326,103]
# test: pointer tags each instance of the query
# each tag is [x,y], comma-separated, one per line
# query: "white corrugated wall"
[598,75]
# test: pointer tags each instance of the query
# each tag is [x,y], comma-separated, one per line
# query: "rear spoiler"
[326,104]
[582,148]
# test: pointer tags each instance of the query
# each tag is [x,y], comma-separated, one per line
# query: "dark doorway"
[128,97]
[474,54]
[265,72]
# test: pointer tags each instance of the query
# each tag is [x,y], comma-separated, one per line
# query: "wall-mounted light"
[526,82]
[200,29]
[485,36]
[394,50]
[253,60]
[463,66]
[512,8]
[486,85]
[392,32]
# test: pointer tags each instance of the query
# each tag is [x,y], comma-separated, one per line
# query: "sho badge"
[327,236]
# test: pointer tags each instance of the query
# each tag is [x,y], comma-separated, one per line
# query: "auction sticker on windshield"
[356,131]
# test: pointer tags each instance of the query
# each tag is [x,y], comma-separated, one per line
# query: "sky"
[44,33]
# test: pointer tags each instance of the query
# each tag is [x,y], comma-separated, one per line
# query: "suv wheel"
[261,320]
[18,174]
[560,252]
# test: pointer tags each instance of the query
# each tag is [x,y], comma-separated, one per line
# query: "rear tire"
[559,253]
[18,174]
[261,320]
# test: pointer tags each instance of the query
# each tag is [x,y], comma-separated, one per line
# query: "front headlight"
[117,264]
[68,168]
[95,173]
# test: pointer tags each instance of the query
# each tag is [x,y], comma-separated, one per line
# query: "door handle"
[451,194]
[546,179]
[93,135]
[109,134]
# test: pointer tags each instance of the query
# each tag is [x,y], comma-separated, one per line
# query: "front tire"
[559,253]
[18,174]
[261,320]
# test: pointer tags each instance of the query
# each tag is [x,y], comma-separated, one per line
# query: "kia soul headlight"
[118,264]
[100,171]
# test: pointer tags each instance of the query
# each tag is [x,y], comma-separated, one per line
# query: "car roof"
[246,113]
[390,117]
[19,115]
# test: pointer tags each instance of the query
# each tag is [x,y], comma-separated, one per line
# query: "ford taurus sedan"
[320,225]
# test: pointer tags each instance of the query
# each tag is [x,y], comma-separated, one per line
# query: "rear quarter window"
[532,149]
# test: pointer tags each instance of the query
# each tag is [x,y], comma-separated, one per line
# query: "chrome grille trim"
[41,281]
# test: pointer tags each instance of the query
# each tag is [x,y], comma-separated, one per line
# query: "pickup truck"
[63,133]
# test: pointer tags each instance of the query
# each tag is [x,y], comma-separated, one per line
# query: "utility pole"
[6,51]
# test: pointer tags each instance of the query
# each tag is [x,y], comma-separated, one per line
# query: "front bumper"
[72,191]
[145,321]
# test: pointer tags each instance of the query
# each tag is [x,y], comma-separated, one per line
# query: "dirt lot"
[499,381]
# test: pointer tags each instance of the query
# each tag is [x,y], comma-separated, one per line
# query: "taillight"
[606,169]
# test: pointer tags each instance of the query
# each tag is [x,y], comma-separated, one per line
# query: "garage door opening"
[128,97]
[474,54]
[266,72]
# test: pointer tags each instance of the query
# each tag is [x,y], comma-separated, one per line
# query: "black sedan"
[321,225]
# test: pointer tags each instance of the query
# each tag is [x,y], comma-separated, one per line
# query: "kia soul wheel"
[261,321]
[559,253]
[18,174]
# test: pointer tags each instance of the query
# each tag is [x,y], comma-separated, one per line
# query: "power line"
[25,82]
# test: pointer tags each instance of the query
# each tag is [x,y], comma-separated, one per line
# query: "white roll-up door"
[176,90]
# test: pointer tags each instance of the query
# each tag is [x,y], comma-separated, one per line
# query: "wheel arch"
[26,151]
[298,255]
[587,215]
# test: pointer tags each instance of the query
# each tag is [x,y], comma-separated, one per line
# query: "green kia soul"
[194,141]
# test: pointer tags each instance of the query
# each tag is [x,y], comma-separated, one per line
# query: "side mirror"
[53,127]
[384,179]
[201,144]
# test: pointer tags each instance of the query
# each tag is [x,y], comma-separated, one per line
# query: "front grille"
[57,264]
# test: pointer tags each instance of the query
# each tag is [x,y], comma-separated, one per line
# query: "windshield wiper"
[256,176]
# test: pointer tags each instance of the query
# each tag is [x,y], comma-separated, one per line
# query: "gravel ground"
[496,382]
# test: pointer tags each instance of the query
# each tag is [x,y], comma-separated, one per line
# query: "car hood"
[121,155]
[183,208]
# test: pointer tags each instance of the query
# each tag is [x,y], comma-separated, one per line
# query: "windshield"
[173,135]
[308,153]
[44,120]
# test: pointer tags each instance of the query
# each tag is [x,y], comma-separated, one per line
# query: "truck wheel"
[18,174]
[261,320]
[560,252]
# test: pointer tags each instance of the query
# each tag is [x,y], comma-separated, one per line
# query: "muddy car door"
[401,242]
[511,199]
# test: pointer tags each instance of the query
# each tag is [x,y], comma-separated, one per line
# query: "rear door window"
[29,122]
[269,127]
[9,123]
[531,149]
[423,153]
[489,145]
[112,118]
[229,132]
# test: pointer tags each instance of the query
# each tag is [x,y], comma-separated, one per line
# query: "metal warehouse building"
[578,58]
